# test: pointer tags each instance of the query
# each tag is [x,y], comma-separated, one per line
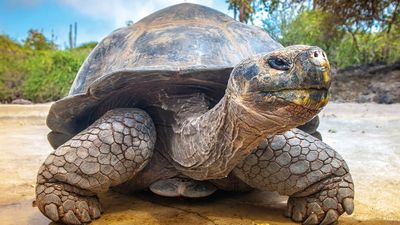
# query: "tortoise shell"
[185,48]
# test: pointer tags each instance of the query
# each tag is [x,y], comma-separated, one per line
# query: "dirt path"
[366,135]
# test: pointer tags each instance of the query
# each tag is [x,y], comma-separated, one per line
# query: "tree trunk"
[241,14]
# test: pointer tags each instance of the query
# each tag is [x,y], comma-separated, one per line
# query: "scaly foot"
[326,206]
[59,203]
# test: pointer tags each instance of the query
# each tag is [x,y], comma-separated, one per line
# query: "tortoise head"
[289,85]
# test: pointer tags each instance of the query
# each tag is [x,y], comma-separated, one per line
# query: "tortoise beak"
[311,98]
[317,94]
[319,59]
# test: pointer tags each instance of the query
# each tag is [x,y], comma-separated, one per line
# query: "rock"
[378,83]
[386,98]
[366,97]
[21,101]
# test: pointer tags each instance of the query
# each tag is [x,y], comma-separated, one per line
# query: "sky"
[95,18]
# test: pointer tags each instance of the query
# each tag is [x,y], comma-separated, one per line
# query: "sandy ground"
[366,135]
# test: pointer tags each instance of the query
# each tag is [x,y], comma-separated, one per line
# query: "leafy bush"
[87,46]
[50,74]
[343,48]
[312,28]
[37,41]
[37,75]
[12,70]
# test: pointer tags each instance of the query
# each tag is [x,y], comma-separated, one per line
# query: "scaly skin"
[299,165]
[109,152]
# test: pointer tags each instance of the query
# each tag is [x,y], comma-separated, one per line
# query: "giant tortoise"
[187,101]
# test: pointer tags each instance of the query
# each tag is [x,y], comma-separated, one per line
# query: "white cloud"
[119,11]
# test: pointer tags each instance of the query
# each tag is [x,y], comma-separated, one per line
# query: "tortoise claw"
[311,220]
[330,217]
[348,205]
[70,218]
[51,211]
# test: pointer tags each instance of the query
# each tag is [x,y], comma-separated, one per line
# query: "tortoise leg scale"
[109,152]
[314,176]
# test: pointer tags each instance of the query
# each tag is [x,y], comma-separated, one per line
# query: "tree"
[37,41]
[351,31]
[245,8]
[129,23]
[276,15]
[364,14]
[248,9]
[313,27]
[354,15]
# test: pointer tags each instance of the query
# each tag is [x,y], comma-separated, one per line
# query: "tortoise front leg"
[109,152]
[299,165]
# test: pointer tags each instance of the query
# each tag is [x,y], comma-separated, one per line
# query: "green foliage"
[346,53]
[364,15]
[351,32]
[37,41]
[51,74]
[370,47]
[343,48]
[245,9]
[313,28]
[37,75]
[87,46]
[12,70]
[352,15]
[129,23]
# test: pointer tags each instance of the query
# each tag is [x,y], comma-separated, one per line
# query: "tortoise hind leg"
[109,152]
[314,176]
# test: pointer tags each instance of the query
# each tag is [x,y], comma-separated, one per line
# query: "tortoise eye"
[279,63]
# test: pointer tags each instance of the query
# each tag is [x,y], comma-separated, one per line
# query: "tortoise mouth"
[311,98]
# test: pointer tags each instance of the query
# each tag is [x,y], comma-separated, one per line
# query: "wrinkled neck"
[212,144]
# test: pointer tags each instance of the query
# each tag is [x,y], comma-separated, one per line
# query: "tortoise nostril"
[318,57]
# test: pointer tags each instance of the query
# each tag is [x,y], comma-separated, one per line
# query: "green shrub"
[370,47]
[37,75]
[343,48]
[87,46]
[12,68]
[312,28]
[51,74]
